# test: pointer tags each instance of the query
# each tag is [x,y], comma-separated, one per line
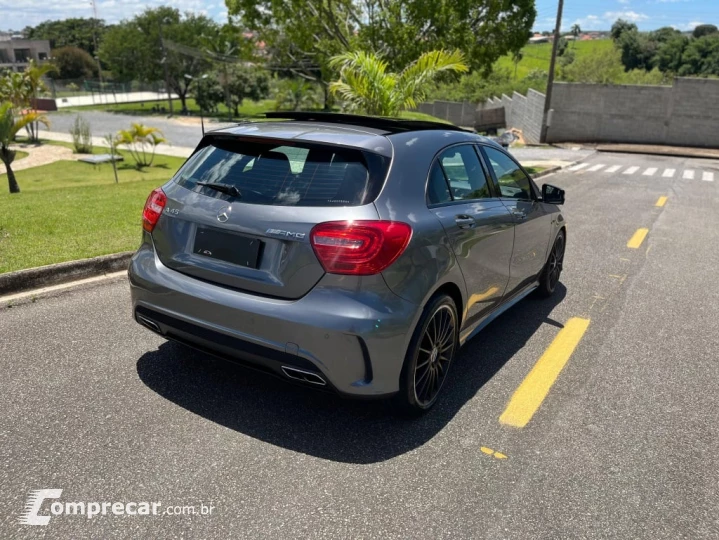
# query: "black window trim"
[496,195]
[495,181]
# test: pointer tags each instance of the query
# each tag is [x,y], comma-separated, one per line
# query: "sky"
[646,14]
[589,14]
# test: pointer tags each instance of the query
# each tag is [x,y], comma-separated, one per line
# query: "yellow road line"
[527,399]
[662,201]
[636,240]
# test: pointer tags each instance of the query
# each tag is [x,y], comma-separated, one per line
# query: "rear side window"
[286,175]
[464,173]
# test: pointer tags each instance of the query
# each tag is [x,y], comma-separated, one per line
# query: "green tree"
[208,93]
[9,128]
[141,48]
[366,86]
[669,55]
[604,67]
[701,57]
[223,51]
[704,30]
[295,95]
[637,50]
[72,63]
[302,36]
[620,27]
[247,83]
[575,31]
[75,32]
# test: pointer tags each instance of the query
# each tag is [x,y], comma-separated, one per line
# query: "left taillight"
[153,209]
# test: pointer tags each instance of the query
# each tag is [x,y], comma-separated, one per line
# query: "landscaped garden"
[72,210]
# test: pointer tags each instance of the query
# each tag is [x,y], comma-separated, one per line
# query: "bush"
[296,95]
[81,136]
[73,63]
[477,87]
[208,93]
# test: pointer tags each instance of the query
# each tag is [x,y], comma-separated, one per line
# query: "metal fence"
[60,88]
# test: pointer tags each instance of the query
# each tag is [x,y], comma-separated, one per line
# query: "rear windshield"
[286,174]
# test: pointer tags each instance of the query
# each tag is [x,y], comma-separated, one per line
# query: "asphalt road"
[623,446]
[178,133]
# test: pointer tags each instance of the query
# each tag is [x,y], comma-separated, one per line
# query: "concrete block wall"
[694,116]
[609,113]
[685,114]
[460,113]
[523,113]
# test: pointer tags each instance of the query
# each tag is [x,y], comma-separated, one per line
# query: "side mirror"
[552,194]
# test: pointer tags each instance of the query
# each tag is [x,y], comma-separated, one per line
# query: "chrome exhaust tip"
[303,376]
[152,325]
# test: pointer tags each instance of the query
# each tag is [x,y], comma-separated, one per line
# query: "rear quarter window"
[286,175]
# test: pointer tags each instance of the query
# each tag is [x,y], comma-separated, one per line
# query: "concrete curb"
[648,149]
[547,172]
[54,274]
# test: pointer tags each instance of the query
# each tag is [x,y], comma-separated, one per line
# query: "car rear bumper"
[350,333]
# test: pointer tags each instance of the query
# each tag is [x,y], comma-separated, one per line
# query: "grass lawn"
[69,210]
[536,56]
[248,108]
[19,154]
[535,170]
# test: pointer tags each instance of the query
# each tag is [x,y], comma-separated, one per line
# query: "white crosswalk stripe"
[578,167]
[708,176]
[613,168]
[631,170]
[668,173]
[596,167]
[688,175]
[650,171]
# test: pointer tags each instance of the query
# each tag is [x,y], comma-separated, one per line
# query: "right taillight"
[153,209]
[359,248]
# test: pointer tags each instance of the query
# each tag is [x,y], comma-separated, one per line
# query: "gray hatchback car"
[345,252]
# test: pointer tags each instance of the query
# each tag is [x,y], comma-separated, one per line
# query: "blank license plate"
[229,247]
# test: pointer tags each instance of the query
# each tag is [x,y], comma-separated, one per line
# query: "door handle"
[464,221]
[519,214]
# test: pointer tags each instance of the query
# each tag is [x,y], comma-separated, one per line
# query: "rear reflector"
[153,209]
[360,248]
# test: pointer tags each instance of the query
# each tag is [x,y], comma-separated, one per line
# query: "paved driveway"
[186,132]
[623,446]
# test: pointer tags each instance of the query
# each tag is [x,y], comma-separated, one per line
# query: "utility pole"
[167,72]
[550,79]
[94,40]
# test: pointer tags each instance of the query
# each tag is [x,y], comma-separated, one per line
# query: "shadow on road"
[324,425]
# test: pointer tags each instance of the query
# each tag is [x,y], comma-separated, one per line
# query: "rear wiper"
[222,188]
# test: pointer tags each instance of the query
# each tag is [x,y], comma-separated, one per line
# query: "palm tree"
[366,86]
[140,140]
[575,31]
[8,129]
[296,95]
[34,84]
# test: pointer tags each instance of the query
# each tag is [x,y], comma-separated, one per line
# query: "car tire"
[429,357]
[549,278]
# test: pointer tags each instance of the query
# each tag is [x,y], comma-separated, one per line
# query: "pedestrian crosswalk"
[654,172]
